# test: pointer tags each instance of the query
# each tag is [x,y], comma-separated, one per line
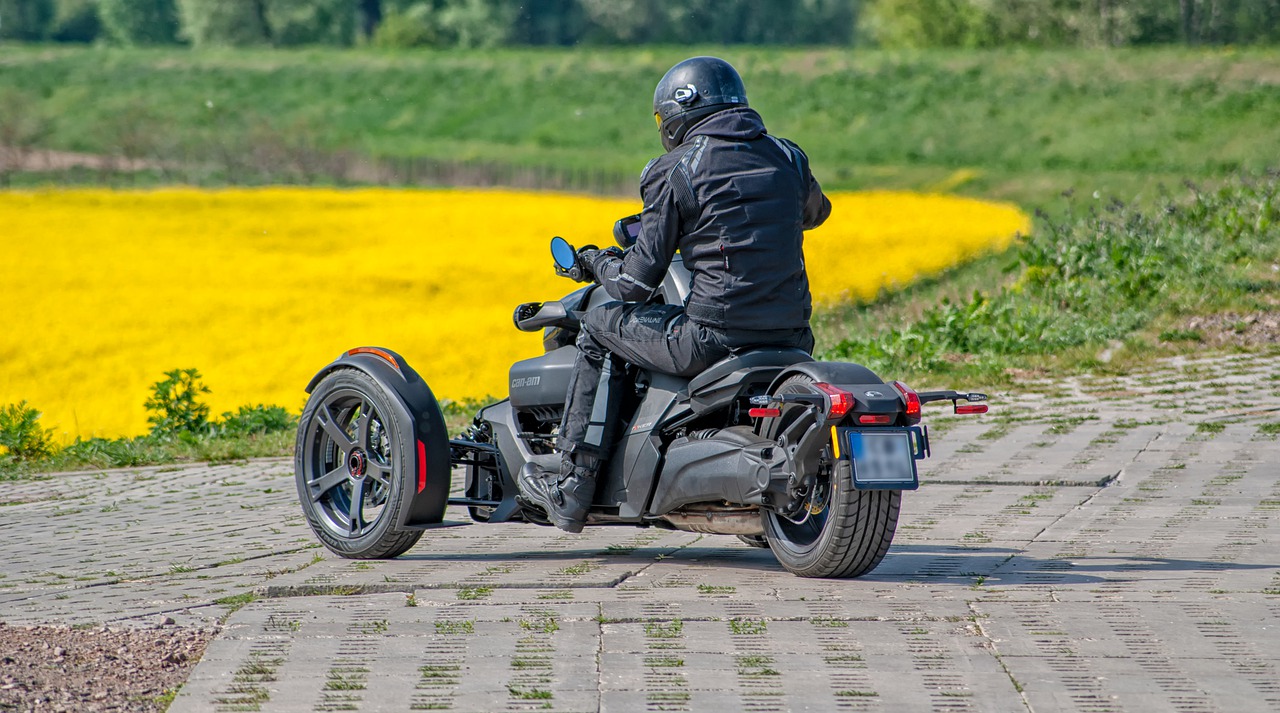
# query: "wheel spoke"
[327,482]
[381,474]
[332,428]
[356,513]
[362,425]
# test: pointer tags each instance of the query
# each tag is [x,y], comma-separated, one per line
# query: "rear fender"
[426,491]
[871,394]
[832,372]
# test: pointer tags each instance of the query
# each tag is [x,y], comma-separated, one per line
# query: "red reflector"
[841,400]
[764,412]
[971,408]
[422,467]
[875,419]
[910,397]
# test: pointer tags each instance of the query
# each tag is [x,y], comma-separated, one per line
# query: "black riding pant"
[656,337]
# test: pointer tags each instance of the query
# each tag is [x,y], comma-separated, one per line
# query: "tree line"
[491,23]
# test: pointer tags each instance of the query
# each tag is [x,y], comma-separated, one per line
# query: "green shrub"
[111,452]
[21,434]
[140,22]
[415,26]
[253,420]
[310,22]
[76,21]
[1088,278]
[1182,335]
[174,405]
[25,19]
[236,23]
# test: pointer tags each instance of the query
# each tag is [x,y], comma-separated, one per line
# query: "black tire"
[754,541]
[352,457]
[850,534]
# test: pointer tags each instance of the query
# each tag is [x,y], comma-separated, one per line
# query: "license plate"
[882,460]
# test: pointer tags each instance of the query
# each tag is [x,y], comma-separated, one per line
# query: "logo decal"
[874,394]
[525,381]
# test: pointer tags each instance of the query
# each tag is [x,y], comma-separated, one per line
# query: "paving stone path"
[1099,544]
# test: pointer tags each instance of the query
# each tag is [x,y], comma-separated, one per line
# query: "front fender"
[426,484]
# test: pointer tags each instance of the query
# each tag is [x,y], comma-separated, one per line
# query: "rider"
[734,200]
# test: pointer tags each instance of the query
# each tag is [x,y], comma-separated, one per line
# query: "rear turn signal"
[910,396]
[841,400]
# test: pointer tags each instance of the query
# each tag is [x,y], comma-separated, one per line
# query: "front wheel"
[841,532]
[350,462]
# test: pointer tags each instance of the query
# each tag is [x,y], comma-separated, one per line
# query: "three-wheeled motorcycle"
[807,458]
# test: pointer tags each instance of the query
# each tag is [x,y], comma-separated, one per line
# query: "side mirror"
[563,253]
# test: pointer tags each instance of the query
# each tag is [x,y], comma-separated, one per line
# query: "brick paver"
[1098,544]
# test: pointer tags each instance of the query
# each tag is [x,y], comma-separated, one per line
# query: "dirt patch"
[57,668]
[1232,328]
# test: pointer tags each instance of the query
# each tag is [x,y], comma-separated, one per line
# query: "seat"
[725,379]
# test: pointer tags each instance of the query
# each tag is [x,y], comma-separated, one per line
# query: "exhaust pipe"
[717,520]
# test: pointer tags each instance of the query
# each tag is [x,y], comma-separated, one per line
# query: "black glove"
[581,270]
[592,259]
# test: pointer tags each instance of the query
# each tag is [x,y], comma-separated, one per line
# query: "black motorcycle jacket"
[734,201]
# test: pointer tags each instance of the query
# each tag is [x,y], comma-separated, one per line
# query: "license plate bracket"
[883,458]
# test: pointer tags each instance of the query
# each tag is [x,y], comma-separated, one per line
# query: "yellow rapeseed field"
[104,291]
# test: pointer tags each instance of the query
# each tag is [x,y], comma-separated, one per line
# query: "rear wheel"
[841,532]
[350,462]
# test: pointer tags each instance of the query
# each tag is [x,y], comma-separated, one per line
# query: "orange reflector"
[875,419]
[835,442]
[384,354]
[971,408]
[911,398]
[764,412]
[841,400]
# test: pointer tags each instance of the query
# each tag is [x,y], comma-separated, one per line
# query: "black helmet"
[692,91]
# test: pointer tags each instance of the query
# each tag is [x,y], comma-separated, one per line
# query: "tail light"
[911,397]
[841,400]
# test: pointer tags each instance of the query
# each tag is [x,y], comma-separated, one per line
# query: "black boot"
[565,496]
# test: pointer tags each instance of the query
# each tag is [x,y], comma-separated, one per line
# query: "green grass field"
[1014,124]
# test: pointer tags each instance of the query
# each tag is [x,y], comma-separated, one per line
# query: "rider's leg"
[584,442]
[656,337]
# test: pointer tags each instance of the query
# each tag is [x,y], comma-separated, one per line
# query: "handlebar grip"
[574,273]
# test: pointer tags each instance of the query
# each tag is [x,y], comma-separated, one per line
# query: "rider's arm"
[816,207]
[638,273]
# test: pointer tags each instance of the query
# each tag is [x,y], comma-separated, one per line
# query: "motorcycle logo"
[874,394]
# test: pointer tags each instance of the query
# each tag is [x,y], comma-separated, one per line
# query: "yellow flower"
[258,289]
